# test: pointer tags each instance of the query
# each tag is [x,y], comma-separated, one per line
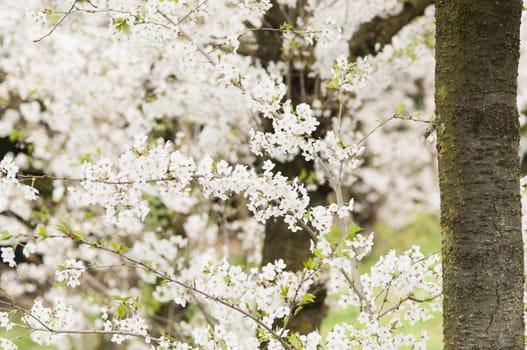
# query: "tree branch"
[381,30]
[269,42]
[62,19]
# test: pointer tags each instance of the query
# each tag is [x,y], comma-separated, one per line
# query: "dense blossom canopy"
[160,133]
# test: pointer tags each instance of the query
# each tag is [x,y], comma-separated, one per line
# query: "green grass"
[423,230]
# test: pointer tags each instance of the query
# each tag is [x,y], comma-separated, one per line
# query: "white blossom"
[71,272]
[5,321]
[134,325]
[6,344]
[8,256]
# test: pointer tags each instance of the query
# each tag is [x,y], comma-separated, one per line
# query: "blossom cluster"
[9,184]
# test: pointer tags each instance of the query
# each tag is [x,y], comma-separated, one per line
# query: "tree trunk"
[293,248]
[477,52]
[279,242]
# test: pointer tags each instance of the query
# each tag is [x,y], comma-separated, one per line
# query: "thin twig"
[355,282]
[386,291]
[408,297]
[186,36]
[413,119]
[294,303]
[357,287]
[182,19]
[62,19]
[82,331]
[309,230]
[107,182]
[91,3]
[395,116]
[376,128]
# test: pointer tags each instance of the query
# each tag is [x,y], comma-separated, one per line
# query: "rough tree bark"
[477,52]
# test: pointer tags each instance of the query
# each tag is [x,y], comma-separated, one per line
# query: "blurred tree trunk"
[477,52]
[293,248]
[279,242]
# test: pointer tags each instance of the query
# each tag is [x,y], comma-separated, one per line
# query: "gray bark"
[477,52]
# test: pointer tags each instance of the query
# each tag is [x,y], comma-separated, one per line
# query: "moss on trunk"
[477,52]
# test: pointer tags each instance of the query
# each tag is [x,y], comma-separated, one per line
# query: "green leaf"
[126,306]
[298,309]
[62,227]
[308,264]
[318,253]
[307,298]
[79,235]
[121,24]
[303,175]
[353,230]
[42,232]
[286,26]
[120,248]
[312,264]
[4,235]
[16,135]
[123,309]
[262,335]
[85,158]
[294,340]
[333,237]
[312,179]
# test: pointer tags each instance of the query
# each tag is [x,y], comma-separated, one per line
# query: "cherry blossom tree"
[193,174]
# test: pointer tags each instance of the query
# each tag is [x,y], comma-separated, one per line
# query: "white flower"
[135,325]
[6,344]
[5,322]
[58,318]
[256,7]
[267,166]
[311,341]
[321,219]
[71,271]
[268,272]
[29,248]
[8,256]
[8,168]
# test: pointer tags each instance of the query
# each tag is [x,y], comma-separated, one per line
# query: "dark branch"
[270,42]
[380,30]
